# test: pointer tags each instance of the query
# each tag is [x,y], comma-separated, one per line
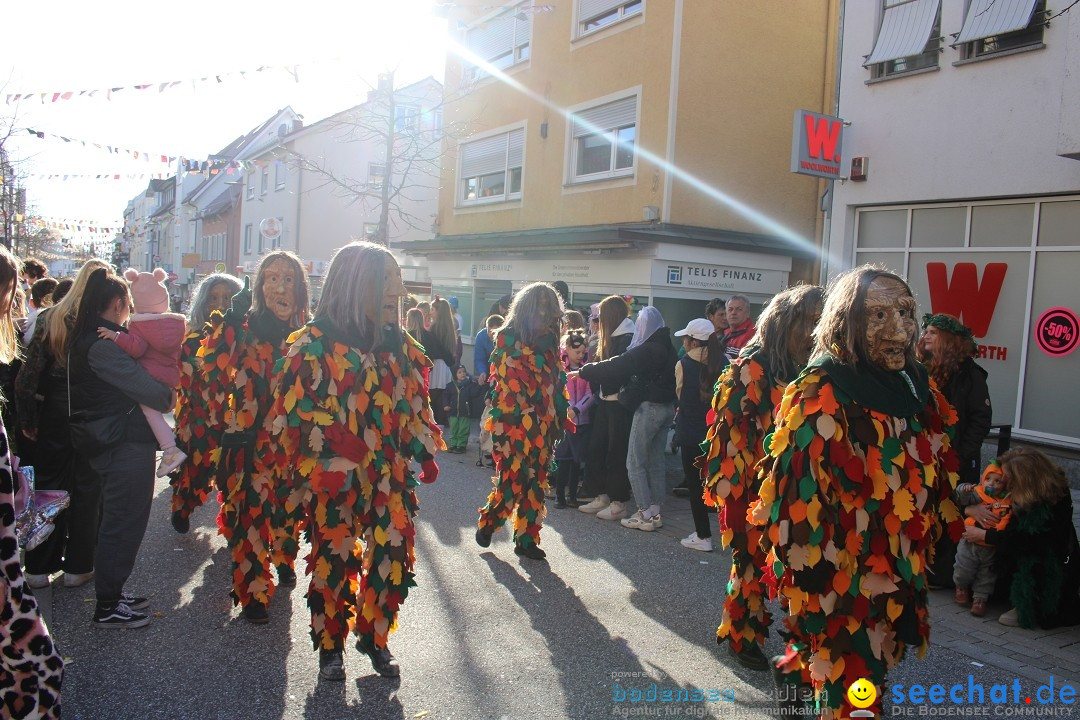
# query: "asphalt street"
[485,635]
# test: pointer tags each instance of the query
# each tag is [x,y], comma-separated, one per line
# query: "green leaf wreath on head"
[947,323]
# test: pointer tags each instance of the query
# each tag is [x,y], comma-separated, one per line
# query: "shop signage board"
[817,145]
[718,278]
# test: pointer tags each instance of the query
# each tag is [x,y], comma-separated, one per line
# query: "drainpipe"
[826,227]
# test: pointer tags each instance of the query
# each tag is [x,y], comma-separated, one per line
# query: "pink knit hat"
[148,292]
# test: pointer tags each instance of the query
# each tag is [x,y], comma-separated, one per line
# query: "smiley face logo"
[861,693]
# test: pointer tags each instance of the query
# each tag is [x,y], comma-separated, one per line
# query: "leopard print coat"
[31,669]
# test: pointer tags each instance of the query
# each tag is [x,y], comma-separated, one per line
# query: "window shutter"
[995,17]
[492,40]
[612,115]
[483,157]
[905,29]
[517,148]
[588,9]
[522,27]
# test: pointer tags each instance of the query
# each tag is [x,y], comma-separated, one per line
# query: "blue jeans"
[645,456]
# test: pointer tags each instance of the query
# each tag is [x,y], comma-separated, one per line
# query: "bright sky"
[71,45]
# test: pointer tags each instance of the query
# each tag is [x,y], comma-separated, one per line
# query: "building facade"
[628,147]
[968,113]
[322,186]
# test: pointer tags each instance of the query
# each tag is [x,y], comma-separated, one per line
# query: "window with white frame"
[279,175]
[371,231]
[596,14]
[376,175]
[501,42]
[251,185]
[491,168]
[264,185]
[247,238]
[406,118]
[909,38]
[994,26]
[603,141]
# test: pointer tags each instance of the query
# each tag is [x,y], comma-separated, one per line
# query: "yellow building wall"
[635,53]
[744,70]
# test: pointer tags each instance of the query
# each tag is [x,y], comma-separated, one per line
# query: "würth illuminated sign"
[817,143]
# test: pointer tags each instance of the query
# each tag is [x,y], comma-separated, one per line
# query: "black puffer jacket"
[966,391]
[653,361]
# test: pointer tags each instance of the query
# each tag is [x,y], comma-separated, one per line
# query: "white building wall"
[978,130]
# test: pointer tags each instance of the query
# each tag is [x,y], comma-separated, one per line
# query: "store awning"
[905,29]
[986,18]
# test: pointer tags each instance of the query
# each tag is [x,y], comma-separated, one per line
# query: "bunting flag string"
[55,96]
[108,227]
[111,149]
[105,176]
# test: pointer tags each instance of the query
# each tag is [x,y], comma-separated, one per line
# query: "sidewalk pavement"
[1032,654]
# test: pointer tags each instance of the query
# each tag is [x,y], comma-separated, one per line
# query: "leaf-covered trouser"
[519,492]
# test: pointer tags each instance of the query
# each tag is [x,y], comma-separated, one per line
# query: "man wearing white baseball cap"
[694,391]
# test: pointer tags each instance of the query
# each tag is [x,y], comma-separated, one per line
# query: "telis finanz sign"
[817,143]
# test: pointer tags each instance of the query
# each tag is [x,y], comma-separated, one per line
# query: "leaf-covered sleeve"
[421,435]
[742,415]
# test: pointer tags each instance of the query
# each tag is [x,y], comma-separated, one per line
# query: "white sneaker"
[77,579]
[171,459]
[614,511]
[637,521]
[37,581]
[693,542]
[598,504]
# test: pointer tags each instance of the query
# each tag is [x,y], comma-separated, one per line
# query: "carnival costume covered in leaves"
[743,406]
[200,405]
[351,418]
[528,417]
[239,355]
[856,489]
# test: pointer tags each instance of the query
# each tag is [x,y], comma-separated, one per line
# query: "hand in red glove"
[429,471]
[345,444]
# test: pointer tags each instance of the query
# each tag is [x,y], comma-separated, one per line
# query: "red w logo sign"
[822,138]
[964,296]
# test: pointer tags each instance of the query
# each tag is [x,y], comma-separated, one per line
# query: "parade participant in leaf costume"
[747,395]
[199,406]
[856,488]
[352,410]
[528,416]
[239,356]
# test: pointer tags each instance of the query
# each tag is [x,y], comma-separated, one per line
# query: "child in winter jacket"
[974,573]
[570,452]
[461,395]
[153,338]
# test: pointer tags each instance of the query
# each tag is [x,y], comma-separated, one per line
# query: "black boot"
[750,656]
[381,659]
[286,576]
[180,523]
[331,665]
[255,612]
[529,551]
[483,537]
[571,488]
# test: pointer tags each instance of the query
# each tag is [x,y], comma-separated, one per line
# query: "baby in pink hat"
[153,338]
